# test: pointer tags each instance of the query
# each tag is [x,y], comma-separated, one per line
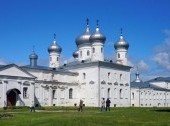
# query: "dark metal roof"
[146,84]
[14,65]
[86,63]
[48,69]
[165,79]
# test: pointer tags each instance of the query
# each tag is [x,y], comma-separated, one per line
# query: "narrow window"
[50,58]
[108,93]
[118,55]
[70,93]
[101,50]
[93,50]
[54,94]
[84,75]
[133,95]
[88,53]
[108,75]
[57,58]
[120,94]
[25,92]
[120,76]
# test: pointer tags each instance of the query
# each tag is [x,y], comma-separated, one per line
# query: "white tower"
[97,39]
[54,54]
[121,50]
[84,45]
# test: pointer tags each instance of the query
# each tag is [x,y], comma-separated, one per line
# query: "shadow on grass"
[162,110]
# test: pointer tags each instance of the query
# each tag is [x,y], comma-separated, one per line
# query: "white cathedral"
[89,77]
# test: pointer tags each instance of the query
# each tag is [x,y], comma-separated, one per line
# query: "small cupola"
[33,58]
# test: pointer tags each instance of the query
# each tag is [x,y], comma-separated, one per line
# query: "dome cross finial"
[54,38]
[121,31]
[97,21]
[87,20]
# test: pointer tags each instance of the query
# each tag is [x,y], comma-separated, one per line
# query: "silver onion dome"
[54,47]
[97,35]
[33,55]
[121,43]
[84,38]
[75,54]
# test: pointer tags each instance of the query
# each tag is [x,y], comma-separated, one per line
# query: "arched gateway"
[12,95]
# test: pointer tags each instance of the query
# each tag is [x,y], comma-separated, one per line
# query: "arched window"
[108,93]
[84,75]
[120,94]
[118,55]
[25,92]
[70,93]
[93,50]
[125,55]
[88,52]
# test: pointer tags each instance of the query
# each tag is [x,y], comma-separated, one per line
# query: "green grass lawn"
[89,117]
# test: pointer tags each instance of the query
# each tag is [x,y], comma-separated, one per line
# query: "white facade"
[89,78]
[151,93]
[17,86]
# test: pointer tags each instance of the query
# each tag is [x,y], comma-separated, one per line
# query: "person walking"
[80,109]
[103,104]
[108,104]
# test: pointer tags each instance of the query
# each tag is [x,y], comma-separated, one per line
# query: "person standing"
[32,107]
[103,104]
[108,104]
[80,105]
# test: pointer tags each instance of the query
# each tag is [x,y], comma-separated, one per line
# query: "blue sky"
[145,23]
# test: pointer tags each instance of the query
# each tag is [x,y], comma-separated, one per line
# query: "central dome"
[97,36]
[84,38]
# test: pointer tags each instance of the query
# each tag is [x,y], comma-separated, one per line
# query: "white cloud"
[163,60]
[162,53]
[143,66]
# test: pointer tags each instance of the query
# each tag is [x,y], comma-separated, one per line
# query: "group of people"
[105,105]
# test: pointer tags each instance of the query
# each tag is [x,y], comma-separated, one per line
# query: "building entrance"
[12,97]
